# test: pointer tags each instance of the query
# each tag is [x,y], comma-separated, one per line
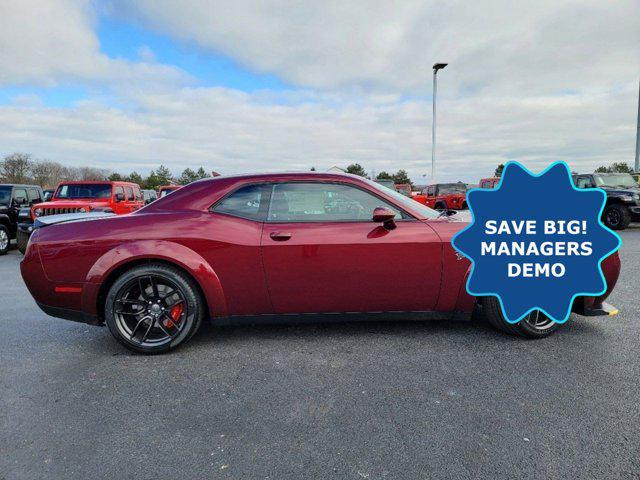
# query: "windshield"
[84,190]
[623,180]
[449,188]
[405,201]
[5,195]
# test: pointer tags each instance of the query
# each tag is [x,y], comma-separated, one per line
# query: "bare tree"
[47,173]
[15,168]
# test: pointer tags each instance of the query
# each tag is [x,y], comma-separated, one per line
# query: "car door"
[431,196]
[322,253]
[19,199]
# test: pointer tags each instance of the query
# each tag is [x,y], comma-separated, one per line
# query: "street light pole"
[637,164]
[436,67]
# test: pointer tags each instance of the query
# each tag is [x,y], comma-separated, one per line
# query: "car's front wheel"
[534,325]
[616,217]
[153,308]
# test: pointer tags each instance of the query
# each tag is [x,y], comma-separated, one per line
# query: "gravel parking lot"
[368,400]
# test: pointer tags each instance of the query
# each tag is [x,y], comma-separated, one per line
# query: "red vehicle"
[167,189]
[444,196]
[81,197]
[310,246]
[489,182]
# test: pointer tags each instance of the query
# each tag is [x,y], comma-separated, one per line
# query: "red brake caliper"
[175,313]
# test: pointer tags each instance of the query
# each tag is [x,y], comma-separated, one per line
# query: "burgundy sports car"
[299,246]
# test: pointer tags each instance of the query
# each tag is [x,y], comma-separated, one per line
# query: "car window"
[34,195]
[247,202]
[583,182]
[119,190]
[19,193]
[84,190]
[130,196]
[137,193]
[431,191]
[323,202]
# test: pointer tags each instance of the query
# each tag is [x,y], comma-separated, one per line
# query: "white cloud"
[531,81]
[50,42]
[495,45]
[230,131]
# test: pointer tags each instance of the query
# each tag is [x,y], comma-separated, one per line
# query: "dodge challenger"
[269,247]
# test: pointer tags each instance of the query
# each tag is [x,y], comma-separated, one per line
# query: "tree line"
[401,176]
[22,168]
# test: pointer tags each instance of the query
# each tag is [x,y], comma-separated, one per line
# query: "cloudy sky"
[240,85]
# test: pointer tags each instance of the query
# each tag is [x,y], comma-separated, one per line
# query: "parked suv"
[12,199]
[83,197]
[623,197]
[489,182]
[444,196]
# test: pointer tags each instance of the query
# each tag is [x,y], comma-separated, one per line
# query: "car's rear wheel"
[534,325]
[4,240]
[153,308]
[616,217]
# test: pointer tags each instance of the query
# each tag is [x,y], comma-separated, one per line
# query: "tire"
[5,240]
[145,317]
[616,217]
[465,206]
[524,328]
[22,239]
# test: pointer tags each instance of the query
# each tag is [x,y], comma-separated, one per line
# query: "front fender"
[465,302]
[165,250]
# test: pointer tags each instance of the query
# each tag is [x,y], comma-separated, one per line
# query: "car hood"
[72,203]
[622,191]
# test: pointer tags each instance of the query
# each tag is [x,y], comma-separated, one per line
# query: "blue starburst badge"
[536,242]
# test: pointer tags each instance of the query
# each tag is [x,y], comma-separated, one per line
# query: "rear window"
[247,202]
[84,190]
[5,195]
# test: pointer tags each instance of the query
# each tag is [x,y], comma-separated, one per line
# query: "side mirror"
[119,197]
[20,201]
[47,196]
[385,216]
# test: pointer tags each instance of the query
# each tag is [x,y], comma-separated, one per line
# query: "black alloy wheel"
[154,308]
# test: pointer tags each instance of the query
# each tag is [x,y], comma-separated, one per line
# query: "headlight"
[82,210]
[37,212]
[628,198]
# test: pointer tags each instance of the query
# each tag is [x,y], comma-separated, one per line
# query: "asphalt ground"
[365,400]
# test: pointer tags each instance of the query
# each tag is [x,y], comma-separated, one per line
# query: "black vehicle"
[13,198]
[623,197]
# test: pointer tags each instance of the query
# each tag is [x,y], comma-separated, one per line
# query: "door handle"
[280,236]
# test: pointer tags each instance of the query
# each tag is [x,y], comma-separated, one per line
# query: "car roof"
[19,185]
[97,182]
[284,175]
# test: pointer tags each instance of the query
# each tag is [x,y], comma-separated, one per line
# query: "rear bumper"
[68,314]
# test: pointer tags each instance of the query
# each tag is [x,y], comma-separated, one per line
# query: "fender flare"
[4,219]
[165,250]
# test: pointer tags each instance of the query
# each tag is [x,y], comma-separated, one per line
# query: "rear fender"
[164,250]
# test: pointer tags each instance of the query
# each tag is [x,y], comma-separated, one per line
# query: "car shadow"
[466,331]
